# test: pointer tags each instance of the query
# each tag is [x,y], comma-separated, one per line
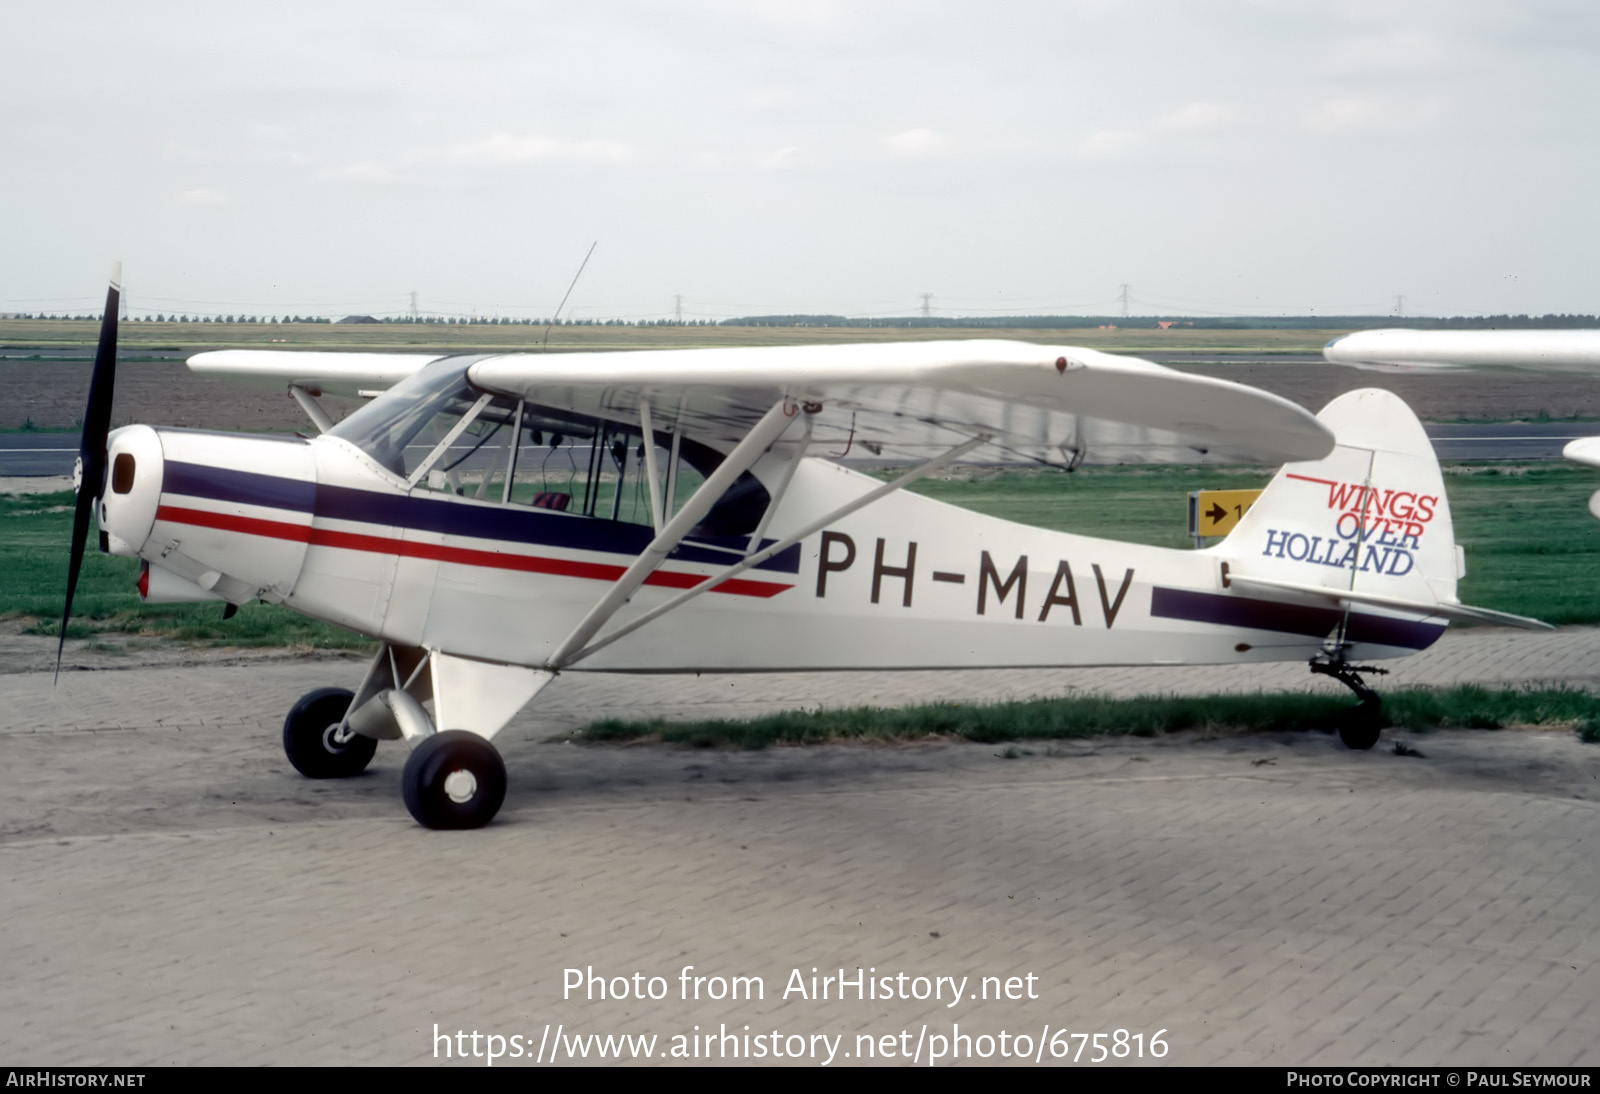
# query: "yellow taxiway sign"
[1216,512]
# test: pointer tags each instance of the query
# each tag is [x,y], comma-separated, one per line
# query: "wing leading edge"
[314,370]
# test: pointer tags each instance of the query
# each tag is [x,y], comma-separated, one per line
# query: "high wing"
[318,372]
[907,400]
[1055,405]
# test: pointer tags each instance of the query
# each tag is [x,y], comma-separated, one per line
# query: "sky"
[1217,157]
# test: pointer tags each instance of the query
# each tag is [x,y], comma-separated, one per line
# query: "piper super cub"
[495,520]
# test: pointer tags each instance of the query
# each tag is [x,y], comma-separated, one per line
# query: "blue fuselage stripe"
[453,517]
[242,487]
[1272,615]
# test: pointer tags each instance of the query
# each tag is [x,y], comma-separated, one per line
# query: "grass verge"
[34,534]
[1145,716]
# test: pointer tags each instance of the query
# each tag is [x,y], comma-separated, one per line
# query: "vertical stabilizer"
[1369,518]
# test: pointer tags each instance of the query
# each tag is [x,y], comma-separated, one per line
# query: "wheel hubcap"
[460,786]
[331,741]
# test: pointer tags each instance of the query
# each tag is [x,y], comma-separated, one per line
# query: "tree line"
[1041,322]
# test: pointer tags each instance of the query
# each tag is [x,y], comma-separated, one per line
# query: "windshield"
[545,457]
[385,427]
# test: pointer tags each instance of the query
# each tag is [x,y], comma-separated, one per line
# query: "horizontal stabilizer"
[1349,597]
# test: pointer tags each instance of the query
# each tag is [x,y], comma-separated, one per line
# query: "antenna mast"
[570,287]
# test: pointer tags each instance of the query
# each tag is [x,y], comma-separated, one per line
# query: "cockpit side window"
[737,512]
[516,453]
[471,446]
[554,461]
[597,468]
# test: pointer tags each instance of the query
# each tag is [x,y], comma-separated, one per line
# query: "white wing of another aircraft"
[1585,450]
[896,400]
[1545,350]
[1397,348]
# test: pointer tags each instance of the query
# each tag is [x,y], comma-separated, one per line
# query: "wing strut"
[308,403]
[652,480]
[740,460]
[759,557]
[783,488]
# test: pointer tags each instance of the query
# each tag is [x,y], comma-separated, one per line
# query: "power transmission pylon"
[1124,301]
[927,305]
[678,310]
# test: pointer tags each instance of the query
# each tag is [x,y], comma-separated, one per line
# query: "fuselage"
[904,583]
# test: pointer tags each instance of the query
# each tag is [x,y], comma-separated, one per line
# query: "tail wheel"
[454,779]
[1360,726]
[311,737]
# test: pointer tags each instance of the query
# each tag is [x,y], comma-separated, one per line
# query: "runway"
[175,893]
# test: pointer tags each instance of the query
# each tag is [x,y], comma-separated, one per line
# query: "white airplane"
[1544,350]
[495,520]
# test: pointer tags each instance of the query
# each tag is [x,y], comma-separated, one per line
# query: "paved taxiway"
[173,892]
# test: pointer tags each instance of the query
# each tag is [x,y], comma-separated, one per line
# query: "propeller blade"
[91,469]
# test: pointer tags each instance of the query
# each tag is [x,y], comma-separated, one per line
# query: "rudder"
[1370,518]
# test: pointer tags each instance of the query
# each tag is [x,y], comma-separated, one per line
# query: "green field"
[1532,547]
[35,531]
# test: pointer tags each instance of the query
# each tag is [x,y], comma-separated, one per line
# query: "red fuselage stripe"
[384,545]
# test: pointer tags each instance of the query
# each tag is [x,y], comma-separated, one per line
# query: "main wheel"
[308,737]
[454,779]
[1360,726]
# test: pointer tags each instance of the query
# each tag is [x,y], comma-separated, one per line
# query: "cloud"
[1108,144]
[375,174]
[787,158]
[1352,112]
[494,151]
[202,196]
[774,98]
[918,144]
[1370,114]
[500,149]
[1403,52]
[1200,117]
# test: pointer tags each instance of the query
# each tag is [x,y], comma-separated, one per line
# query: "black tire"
[435,792]
[308,737]
[1361,725]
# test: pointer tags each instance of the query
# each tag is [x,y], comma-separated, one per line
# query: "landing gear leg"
[1360,725]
